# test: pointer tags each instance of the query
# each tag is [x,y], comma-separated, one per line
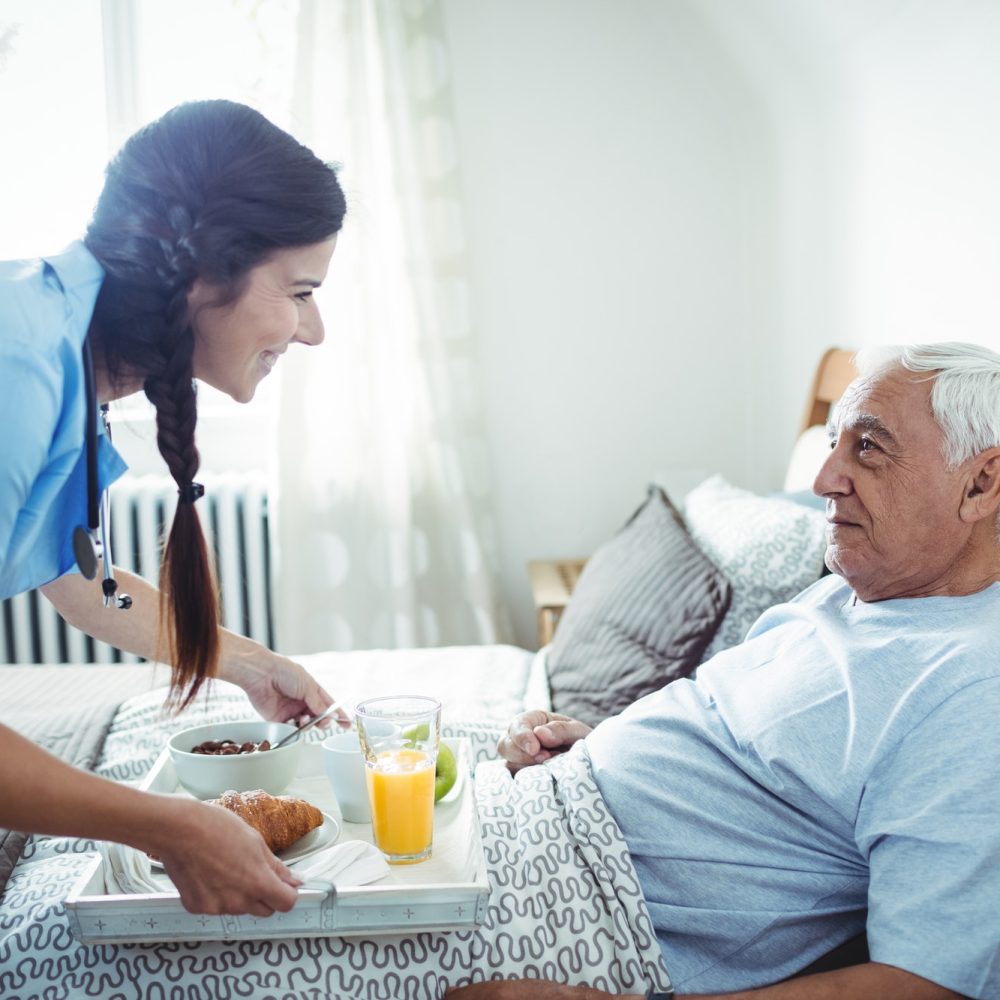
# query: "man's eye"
[866,444]
[304,296]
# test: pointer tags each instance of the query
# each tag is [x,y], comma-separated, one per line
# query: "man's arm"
[534,737]
[871,981]
[278,688]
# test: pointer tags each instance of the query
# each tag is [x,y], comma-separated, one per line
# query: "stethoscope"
[91,542]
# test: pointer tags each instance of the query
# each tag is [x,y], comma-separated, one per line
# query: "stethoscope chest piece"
[85,552]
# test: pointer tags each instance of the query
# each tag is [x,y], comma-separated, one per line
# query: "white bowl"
[207,776]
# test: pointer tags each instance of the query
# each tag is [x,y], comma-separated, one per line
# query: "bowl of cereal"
[236,756]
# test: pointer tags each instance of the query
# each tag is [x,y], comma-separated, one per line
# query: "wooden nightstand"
[552,583]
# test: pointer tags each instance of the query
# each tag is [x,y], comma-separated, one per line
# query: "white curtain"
[383,510]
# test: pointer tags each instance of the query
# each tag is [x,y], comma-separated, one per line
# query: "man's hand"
[870,981]
[534,737]
[531,989]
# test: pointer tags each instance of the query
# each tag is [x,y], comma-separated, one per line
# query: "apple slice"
[446,773]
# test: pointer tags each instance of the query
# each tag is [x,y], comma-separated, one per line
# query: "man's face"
[894,528]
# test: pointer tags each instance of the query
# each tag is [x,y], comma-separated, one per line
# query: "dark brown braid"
[188,591]
[208,191]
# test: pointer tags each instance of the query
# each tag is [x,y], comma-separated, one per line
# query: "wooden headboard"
[833,375]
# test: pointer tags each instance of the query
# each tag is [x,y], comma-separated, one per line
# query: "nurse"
[212,231]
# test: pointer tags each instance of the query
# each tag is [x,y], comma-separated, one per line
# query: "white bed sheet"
[472,682]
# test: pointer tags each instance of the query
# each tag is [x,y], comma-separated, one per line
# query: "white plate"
[313,842]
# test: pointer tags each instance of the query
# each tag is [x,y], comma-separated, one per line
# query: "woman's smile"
[276,308]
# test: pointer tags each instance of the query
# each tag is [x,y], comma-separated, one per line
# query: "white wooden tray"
[447,892]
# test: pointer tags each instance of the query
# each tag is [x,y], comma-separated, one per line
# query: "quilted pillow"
[769,548]
[645,607]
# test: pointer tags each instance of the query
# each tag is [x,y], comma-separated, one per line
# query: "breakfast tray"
[449,891]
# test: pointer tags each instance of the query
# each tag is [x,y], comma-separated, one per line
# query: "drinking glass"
[400,762]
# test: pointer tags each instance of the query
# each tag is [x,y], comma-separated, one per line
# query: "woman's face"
[236,345]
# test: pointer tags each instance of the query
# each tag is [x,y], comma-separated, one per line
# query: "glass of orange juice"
[400,760]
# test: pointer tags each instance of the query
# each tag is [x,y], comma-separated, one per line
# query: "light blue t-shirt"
[45,310]
[844,759]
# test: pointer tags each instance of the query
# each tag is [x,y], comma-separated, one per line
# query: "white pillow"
[770,549]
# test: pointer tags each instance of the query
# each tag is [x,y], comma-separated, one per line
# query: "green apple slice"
[446,773]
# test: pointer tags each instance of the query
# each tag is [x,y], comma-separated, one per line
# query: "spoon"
[308,724]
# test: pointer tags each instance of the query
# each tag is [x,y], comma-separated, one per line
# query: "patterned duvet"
[564,904]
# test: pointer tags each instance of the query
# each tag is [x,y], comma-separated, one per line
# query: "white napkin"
[353,862]
[128,870]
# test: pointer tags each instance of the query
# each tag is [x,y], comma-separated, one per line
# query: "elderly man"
[840,770]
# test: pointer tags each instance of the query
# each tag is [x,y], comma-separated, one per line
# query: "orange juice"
[401,793]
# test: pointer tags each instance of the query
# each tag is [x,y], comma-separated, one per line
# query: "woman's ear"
[200,294]
[982,490]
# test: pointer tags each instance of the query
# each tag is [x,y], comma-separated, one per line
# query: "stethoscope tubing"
[87,546]
[90,436]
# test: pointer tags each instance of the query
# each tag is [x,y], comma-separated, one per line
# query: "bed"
[608,649]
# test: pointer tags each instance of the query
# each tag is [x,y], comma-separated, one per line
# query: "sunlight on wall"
[243,50]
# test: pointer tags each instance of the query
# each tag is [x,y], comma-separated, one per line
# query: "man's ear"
[982,489]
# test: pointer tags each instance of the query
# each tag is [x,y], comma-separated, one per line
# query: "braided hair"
[208,191]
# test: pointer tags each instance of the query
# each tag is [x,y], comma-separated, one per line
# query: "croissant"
[279,819]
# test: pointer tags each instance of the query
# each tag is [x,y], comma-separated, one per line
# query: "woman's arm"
[278,688]
[217,862]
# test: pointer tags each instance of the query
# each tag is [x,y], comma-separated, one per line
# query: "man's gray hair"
[965,397]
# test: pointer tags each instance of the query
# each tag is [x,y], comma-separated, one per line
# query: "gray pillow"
[643,611]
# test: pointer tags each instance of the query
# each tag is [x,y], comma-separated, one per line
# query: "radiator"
[234,517]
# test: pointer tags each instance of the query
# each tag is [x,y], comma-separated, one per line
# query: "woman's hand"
[219,864]
[278,688]
[534,737]
[284,691]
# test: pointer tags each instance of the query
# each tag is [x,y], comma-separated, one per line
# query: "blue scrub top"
[45,310]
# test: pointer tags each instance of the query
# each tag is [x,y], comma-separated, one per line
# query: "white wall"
[675,207]
[924,175]
[618,189]
[888,149]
